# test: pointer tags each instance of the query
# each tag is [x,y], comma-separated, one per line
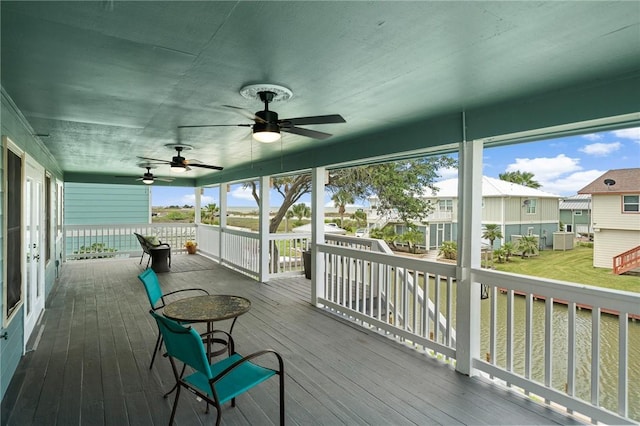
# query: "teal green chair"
[221,381]
[158,301]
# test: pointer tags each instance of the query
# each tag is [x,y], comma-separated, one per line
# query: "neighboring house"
[103,205]
[615,206]
[518,209]
[575,214]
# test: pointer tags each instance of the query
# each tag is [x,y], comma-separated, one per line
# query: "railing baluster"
[548,342]
[509,337]
[623,359]
[595,356]
[571,349]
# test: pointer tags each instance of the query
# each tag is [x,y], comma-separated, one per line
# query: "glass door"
[33,246]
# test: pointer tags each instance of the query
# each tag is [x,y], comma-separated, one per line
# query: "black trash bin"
[306,262]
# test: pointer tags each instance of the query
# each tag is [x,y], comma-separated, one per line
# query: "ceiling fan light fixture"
[266,132]
[178,168]
[147,180]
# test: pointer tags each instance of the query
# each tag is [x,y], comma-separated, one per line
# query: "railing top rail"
[635,249]
[617,300]
[130,225]
[391,260]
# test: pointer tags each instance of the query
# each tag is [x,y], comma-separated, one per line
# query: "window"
[630,203]
[577,213]
[530,205]
[530,231]
[445,205]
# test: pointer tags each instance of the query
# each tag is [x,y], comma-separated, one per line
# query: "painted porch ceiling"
[108,81]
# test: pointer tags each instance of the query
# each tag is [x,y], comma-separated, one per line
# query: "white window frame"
[635,203]
[530,205]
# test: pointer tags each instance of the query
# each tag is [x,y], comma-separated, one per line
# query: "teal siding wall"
[15,127]
[91,204]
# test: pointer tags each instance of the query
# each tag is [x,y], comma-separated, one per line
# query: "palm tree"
[288,215]
[509,249]
[521,178]
[341,199]
[528,244]
[301,211]
[492,232]
[209,213]
[449,250]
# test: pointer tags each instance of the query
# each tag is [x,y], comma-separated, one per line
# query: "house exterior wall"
[13,126]
[608,243]
[614,232]
[607,213]
[580,223]
[90,204]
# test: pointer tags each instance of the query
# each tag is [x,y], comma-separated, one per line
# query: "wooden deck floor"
[90,366]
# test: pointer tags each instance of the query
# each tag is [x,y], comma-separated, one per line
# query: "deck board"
[91,366]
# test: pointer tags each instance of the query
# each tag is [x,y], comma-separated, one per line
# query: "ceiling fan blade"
[206,166]
[214,125]
[318,119]
[163,179]
[306,132]
[154,159]
[246,113]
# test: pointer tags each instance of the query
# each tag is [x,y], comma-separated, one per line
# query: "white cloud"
[448,173]
[593,136]
[601,149]
[571,184]
[241,193]
[546,169]
[633,134]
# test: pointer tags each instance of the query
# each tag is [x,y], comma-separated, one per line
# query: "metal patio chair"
[157,299]
[147,246]
[219,382]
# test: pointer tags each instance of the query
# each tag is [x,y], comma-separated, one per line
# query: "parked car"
[362,232]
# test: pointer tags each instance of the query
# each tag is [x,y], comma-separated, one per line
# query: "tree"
[341,198]
[492,232]
[528,245]
[291,188]
[209,213]
[509,249]
[398,185]
[521,178]
[449,250]
[360,216]
[412,236]
[301,211]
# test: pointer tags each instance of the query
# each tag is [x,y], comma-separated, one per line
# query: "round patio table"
[209,309]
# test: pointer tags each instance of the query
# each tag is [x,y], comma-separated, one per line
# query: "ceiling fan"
[179,164]
[266,125]
[148,178]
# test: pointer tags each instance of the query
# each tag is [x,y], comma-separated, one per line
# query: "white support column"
[264,229]
[198,204]
[317,233]
[469,236]
[223,219]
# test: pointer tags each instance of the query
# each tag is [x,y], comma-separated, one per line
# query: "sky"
[562,166]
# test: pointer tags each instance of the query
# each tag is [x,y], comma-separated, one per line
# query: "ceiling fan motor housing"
[270,123]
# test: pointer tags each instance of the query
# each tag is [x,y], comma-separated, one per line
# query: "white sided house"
[615,205]
[517,209]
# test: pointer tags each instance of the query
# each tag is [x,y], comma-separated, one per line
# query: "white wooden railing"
[365,282]
[387,292]
[106,241]
[556,381]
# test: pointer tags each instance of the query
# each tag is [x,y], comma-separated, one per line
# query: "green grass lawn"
[572,265]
